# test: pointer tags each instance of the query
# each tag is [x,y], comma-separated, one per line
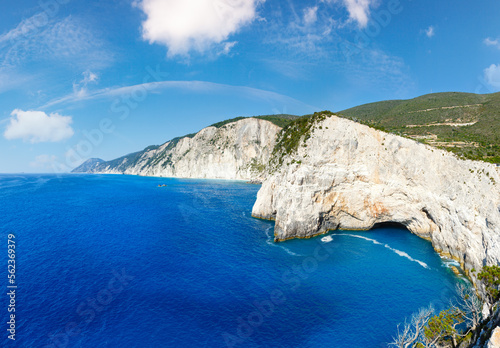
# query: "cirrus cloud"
[37,126]
[194,25]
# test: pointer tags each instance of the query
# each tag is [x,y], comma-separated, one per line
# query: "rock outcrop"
[237,150]
[345,175]
[489,332]
[494,341]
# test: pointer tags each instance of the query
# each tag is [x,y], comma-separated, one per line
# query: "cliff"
[489,332]
[88,166]
[331,173]
[235,150]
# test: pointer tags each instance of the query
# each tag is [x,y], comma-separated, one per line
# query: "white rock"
[494,341]
[486,310]
[238,150]
[353,177]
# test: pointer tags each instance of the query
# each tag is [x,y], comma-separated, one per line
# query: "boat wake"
[327,239]
[399,252]
[270,241]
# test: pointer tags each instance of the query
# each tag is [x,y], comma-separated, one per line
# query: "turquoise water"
[116,261]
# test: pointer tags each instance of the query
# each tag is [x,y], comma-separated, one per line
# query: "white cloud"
[228,46]
[80,88]
[194,25]
[89,76]
[37,126]
[303,34]
[492,75]
[359,10]
[430,32]
[492,42]
[310,15]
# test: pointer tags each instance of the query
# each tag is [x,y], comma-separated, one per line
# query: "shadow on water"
[389,224]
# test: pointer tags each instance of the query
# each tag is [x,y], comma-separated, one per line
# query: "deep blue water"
[193,266]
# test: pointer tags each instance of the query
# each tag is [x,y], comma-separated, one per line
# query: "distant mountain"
[464,123]
[88,166]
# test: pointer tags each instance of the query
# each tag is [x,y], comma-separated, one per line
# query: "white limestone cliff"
[349,176]
[237,150]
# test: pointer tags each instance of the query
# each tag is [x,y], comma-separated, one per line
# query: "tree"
[451,326]
[442,328]
[470,305]
[490,276]
[412,331]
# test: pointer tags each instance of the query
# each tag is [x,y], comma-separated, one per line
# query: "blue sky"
[103,79]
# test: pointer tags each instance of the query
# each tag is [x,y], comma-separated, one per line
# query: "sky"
[100,79]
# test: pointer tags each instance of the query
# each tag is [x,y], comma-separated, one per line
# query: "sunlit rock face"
[350,176]
[238,150]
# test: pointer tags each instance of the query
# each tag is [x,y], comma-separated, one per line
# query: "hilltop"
[464,123]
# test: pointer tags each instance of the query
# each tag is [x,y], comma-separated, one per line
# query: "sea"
[119,261]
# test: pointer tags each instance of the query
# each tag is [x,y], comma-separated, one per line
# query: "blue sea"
[116,261]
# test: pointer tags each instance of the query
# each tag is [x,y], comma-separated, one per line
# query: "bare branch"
[470,305]
[412,331]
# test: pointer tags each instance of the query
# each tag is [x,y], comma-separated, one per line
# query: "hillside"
[464,123]
[162,159]
[239,149]
[88,166]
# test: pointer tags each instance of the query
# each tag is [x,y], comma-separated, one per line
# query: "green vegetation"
[295,133]
[490,276]
[281,120]
[458,326]
[440,120]
[223,123]
[442,328]
[257,166]
[176,140]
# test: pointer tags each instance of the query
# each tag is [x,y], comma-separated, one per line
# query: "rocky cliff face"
[348,176]
[238,150]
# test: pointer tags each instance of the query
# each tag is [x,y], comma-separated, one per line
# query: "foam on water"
[399,252]
[270,241]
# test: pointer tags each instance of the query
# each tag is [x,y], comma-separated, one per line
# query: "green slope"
[464,123]
[281,120]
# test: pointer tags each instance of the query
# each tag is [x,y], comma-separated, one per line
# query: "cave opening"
[389,224]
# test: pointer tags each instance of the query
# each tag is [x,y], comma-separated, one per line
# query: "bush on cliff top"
[295,133]
[490,276]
